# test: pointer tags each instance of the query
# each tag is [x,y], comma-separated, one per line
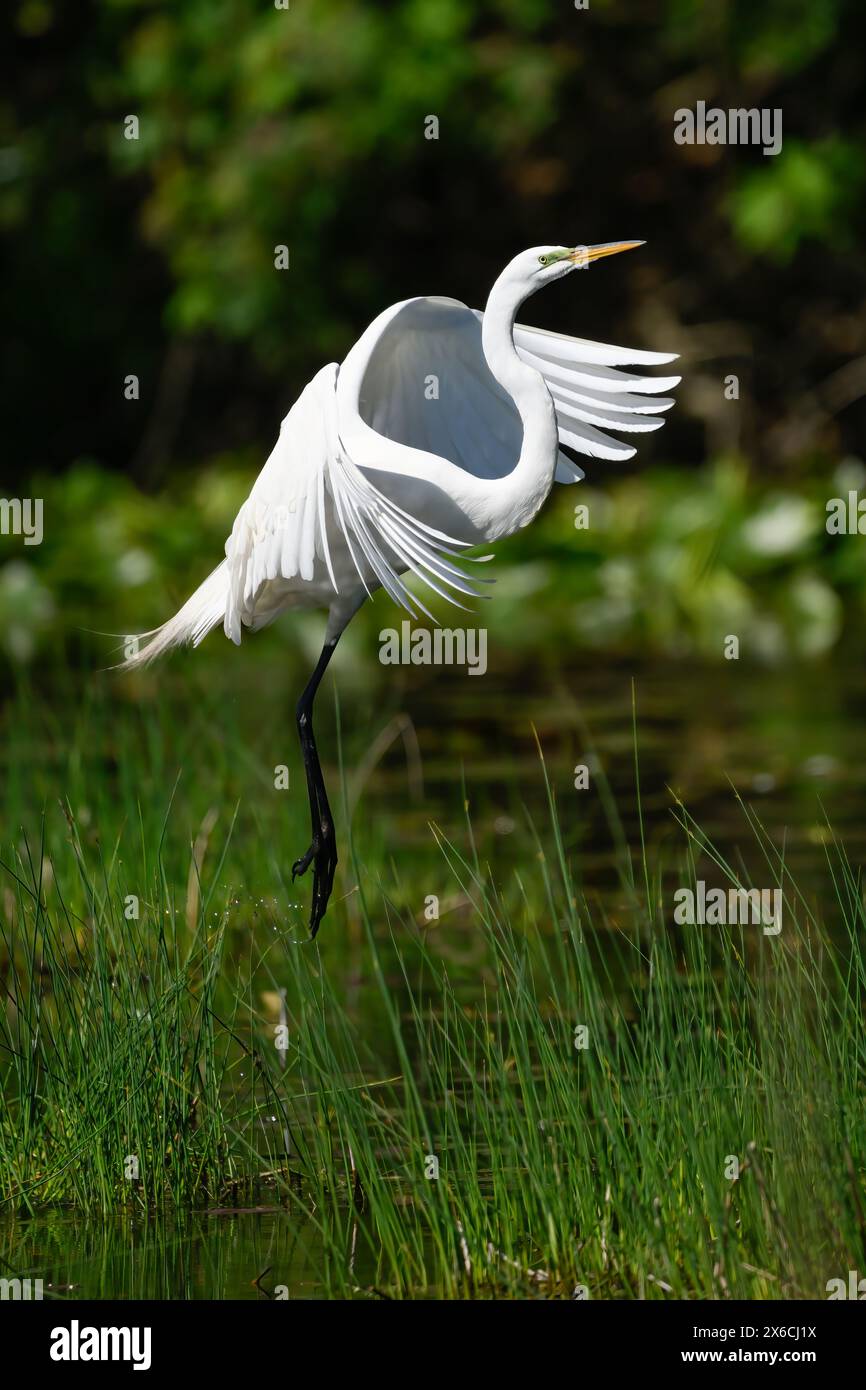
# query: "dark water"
[791,742]
[260,1255]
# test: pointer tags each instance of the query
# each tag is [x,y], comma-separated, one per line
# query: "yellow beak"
[584,255]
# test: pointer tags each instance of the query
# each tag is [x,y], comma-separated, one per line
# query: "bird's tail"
[201,612]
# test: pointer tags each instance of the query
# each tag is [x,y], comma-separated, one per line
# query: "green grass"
[605,1167]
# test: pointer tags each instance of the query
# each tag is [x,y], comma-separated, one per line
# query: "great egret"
[374,474]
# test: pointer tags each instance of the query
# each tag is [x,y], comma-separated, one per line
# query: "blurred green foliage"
[806,192]
[668,563]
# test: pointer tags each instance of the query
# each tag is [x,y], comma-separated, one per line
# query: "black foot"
[301,865]
[322,854]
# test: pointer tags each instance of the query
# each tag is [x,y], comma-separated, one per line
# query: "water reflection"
[259,1254]
[790,742]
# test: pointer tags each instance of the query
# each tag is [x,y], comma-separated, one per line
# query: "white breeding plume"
[442,430]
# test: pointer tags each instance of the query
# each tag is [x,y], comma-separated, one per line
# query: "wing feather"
[589,391]
[594,443]
[608,379]
[309,484]
[611,419]
[545,343]
[631,405]
[567,471]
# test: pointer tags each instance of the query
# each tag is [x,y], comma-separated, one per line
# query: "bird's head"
[541,264]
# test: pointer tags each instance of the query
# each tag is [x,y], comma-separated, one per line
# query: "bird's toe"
[301,865]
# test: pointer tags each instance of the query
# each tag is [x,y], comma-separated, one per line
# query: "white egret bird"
[371,479]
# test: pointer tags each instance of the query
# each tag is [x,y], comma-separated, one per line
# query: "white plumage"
[440,431]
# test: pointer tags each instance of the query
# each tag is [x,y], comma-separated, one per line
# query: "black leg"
[322,853]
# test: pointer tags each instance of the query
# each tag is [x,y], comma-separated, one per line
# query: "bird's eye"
[544,260]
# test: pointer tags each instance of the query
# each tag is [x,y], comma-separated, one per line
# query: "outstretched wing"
[591,396]
[415,421]
[314,515]
[417,384]
[417,397]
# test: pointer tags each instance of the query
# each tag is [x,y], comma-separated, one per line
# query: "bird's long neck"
[524,489]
